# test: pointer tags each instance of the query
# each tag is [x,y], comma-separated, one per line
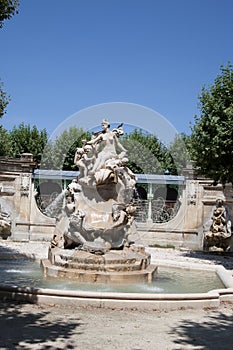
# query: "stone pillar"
[149,198]
[22,203]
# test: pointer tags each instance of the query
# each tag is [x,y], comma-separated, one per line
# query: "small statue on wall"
[218,235]
[5,223]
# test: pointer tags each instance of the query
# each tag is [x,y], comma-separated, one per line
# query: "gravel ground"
[50,327]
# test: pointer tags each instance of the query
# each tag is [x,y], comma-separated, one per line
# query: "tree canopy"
[5,143]
[145,152]
[21,139]
[59,153]
[179,154]
[8,8]
[211,141]
[4,100]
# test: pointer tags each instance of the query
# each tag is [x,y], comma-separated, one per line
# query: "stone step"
[89,258]
[107,267]
[87,276]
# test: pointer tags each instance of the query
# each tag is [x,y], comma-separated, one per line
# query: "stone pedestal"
[130,265]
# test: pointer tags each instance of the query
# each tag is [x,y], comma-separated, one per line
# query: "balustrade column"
[149,198]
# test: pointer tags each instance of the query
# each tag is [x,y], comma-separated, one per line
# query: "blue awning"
[141,178]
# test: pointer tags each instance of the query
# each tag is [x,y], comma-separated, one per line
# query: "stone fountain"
[92,241]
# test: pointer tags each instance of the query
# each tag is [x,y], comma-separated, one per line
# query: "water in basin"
[168,280]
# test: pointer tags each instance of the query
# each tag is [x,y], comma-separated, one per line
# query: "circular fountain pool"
[171,288]
[167,280]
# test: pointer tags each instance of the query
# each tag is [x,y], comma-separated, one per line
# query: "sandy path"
[26,326]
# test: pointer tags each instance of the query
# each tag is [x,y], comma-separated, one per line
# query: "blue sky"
[59,57]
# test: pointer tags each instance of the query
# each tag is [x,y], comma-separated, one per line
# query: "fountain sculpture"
[92,238]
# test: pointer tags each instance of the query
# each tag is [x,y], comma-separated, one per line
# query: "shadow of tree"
[25,326]
[225,259]
[214,333]
[7,253]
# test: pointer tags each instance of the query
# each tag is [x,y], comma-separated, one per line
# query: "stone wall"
[186,229]
[17,199]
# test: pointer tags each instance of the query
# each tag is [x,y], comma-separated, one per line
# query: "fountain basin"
[112,300]
[152,301]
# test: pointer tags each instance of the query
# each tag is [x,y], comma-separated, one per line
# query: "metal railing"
[161,210]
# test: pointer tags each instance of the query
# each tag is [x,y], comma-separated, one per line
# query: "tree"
[59,154]
[211,140]
[8,8]
[27,139]
[147,154]
[4,100]
[5,143]
[179,153]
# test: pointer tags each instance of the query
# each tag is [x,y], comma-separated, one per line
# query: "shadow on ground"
[7,253]
[225,259]
[27,327]
[213,333]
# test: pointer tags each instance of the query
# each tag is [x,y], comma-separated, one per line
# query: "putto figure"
[219,228]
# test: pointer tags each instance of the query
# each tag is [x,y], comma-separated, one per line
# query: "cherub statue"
[219,232]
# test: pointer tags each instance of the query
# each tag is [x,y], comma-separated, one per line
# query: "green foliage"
[59,154]
[26,139]
[4,100]
[8,8]
[5,143]
[144,152]
[68,142]
[149,155]
[179,151]
[211,141]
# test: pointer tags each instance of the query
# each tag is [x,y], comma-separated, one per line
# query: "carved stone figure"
[79,161]
[91,240]
[218,236]
[109,141]
[5,222]
[99,204]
